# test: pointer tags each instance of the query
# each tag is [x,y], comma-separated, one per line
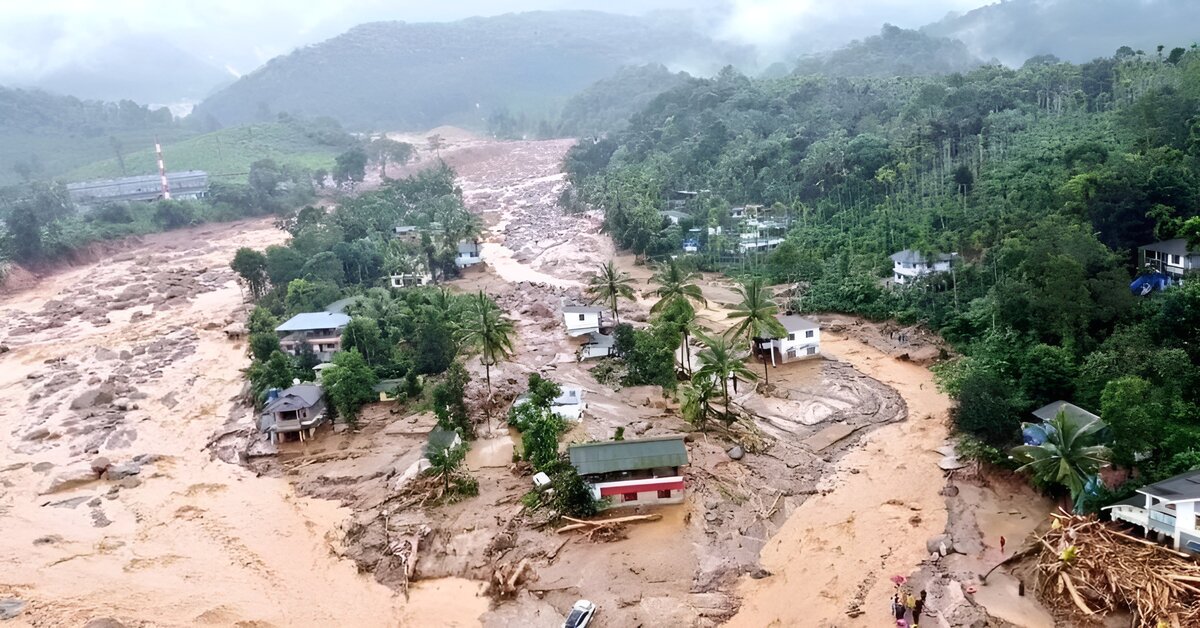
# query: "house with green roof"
[636,472]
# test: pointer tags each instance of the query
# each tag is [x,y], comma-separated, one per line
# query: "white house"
[410,280]
[1167,509]
[321,332]
[299,409]
[803,340]
[568,405]
[468,254]
[908,265]
[636,472]
[1171,257]
[598,345]
[675,217]
[582,320]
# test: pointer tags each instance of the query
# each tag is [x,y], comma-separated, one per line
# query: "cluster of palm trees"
[722,358]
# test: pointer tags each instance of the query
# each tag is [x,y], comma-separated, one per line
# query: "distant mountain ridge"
[398,75]
[893,52]
[1073,30]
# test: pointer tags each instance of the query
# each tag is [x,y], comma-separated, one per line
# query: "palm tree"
[696,401]
[757,313]
[1068,454]
[720,359]
[610,284]
[674,286]
[485,329]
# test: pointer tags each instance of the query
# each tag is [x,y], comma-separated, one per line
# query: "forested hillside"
[607,104]
[1043,179]
[396,75]
[44,135]
[1074,30]
[893,52]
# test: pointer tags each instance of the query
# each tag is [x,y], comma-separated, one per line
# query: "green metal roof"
[629,455]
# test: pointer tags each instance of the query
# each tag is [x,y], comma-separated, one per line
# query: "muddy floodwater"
[186,540]
[121,495]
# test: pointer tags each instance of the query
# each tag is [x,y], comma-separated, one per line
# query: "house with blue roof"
[319,332]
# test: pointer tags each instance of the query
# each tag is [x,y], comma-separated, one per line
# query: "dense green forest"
[607,104]
[397,76]
[1043,179]
[893,52]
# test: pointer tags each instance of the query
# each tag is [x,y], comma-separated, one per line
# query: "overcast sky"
[43,35]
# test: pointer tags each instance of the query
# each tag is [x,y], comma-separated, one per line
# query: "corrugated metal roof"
[295,398]
[1178,246]
[909,256]
[314,320]
[629,455]
[1051,410]
[581,309]
[792,322]
[1183,487]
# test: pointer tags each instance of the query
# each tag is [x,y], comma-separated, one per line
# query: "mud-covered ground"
[132,492]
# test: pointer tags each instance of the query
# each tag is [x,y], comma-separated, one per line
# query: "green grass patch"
[226,154]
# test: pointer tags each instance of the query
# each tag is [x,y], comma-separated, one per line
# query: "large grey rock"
[123,470]
[104,354]
[736,452]
[70,477]
[92,398]
[10,607]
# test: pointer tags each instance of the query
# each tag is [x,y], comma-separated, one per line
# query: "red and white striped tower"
[162,171]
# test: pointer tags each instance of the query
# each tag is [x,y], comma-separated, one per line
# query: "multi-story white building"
[909,265]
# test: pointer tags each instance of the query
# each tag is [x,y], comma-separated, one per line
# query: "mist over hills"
[1073,30]
[142,68]
[893,52]
[411,76]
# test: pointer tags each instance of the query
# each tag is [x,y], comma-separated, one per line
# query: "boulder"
[736,452]
[42,467]
[37,434]
[94,397]
[130,482]
[760,573]
[123,470]
[10,607]
[104,354]
[70,477]
[100,465]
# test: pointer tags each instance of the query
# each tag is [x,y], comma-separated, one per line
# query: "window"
[812,351]
[581,317]
[1176,260]
[791,336]
[664,494]
[629,497]
[808,333]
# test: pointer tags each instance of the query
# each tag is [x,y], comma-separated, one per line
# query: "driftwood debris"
[1090,568]
[604,529]
[505,578]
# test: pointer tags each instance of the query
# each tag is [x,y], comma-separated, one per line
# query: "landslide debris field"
[121,390]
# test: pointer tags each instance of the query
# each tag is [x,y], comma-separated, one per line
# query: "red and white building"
[643,471]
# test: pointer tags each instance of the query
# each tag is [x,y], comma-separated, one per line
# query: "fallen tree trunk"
[579,524]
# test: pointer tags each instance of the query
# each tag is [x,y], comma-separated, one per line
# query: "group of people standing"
[907,609]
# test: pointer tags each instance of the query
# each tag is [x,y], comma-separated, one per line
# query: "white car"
[581,614]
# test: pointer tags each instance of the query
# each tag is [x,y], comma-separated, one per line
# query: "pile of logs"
[505,578]
[604,529]
[1091,568]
